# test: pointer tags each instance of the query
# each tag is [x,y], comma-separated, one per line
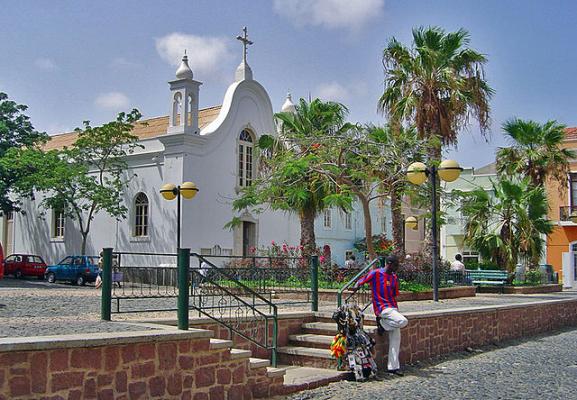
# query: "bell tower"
[184,93]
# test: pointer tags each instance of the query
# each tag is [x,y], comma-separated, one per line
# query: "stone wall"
[141,365]
[432,334]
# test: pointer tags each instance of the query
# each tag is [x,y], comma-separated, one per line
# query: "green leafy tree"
[438,85]
[81,181]
[286,181]
[535,152]
[16,131]
[509,224]
[400,147]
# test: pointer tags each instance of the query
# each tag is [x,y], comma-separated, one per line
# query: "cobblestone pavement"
[31,307]
[543,368]
[37,308]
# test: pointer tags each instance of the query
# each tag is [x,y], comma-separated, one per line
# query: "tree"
[285,180]
[438,85]
[508,224]
[400,146]
[535,152]
[83,180]
[16,131]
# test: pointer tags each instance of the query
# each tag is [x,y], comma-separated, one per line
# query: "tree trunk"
[397,222]
[368,226]
[308,240]
[83,247]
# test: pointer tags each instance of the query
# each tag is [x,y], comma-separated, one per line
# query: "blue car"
[75,269]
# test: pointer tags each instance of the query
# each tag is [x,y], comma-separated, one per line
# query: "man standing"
[385,289]
[458,265]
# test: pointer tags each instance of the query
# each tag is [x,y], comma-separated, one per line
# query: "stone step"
[307,357]
[220,344]
[311,340]
[236,354]
[258,363]
[301,378]
[272,372]
[328,329]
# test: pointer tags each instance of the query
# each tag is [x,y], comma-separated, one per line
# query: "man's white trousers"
[392,321]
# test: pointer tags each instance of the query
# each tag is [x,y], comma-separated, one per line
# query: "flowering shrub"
[382,245]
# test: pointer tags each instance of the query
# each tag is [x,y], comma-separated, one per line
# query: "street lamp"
[170,192]
[417,173]
[412,223]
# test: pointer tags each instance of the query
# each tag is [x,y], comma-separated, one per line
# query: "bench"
[492,278]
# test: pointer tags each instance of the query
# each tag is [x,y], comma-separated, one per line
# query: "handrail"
[352,282]
[230,299]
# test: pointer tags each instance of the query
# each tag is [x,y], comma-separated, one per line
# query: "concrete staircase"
[310,347]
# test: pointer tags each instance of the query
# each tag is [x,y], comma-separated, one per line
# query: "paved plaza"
[541,368]
[37,308]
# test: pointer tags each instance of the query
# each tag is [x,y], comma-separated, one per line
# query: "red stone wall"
[176,369]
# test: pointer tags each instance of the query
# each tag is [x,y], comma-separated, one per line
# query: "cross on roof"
[245,42]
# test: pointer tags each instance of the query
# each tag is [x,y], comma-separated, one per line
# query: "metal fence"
[275,278]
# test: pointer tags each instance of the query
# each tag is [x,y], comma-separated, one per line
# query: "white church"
[212,147]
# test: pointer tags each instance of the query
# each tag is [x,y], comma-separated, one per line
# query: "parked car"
[76,269]
[21,265]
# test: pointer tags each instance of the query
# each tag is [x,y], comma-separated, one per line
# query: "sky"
[72,61]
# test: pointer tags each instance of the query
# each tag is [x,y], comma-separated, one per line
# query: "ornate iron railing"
[144,282]
[361,296]
[272,277]
[224,298]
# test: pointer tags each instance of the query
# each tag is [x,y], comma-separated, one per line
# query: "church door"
[248,237]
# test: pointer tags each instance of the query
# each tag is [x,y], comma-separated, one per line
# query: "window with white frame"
[327,219]
[141,215]
[245,158]
[348,220]
[58,220]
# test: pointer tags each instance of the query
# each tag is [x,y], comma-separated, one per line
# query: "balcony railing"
[566,211]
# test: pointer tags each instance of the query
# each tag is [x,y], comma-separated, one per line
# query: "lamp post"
[417,173]
[170,192]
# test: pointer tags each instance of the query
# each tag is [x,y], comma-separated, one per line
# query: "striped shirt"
[384,288]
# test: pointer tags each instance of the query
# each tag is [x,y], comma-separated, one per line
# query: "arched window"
[245,158]
[189,110]
[176,109]
[141,215]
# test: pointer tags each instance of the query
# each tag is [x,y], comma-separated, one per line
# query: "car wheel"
[51,278]
[18,274]
[80,281]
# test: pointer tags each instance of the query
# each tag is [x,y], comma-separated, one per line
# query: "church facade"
[212,147]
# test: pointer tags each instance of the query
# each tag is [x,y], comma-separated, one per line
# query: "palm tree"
[285,181]
[438,85]
[535,151]
[508,223]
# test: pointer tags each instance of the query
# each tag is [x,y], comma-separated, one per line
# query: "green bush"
[485,266]
[533,277]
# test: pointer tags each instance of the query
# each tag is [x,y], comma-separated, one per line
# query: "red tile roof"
[145,129]
[571,133]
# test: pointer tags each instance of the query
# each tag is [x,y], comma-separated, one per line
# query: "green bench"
[488,278]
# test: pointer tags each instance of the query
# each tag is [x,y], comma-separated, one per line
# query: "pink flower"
[322,259]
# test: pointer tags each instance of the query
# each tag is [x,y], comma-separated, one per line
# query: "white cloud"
[332,14]
[112,101]
[205,54]
[333,91]
[46,64]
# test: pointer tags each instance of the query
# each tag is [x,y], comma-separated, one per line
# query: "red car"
[21,265]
